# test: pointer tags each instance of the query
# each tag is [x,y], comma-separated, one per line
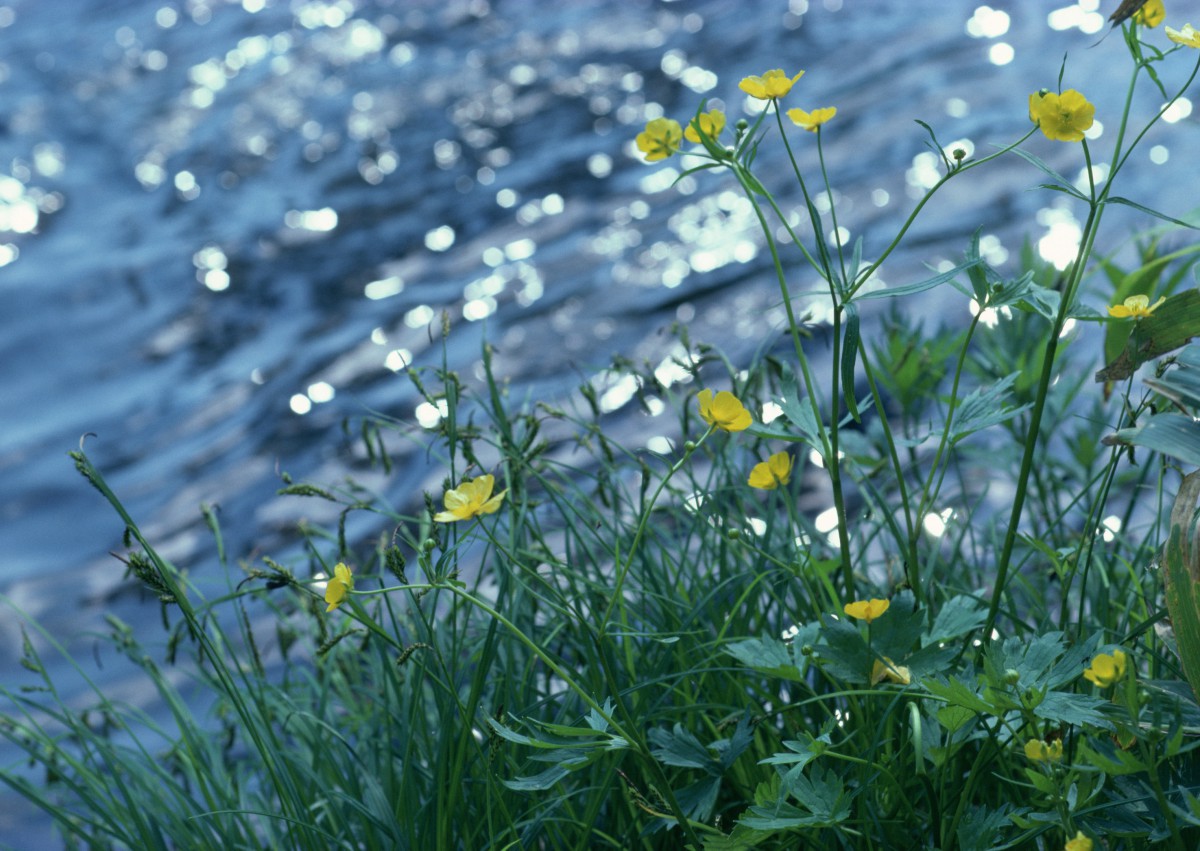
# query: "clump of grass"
[580,644]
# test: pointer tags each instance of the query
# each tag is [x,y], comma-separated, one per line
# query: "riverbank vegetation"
[941,594]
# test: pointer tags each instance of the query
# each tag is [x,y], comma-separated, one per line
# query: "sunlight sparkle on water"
[1061,243]
[429,415]
[991,316]
[317,221]
[398,359]
[1001,53]
[384,288]
[419,316]
[935,522]
[440,238]
[1178,111]
[321,391]
[1082,16]
[988,23]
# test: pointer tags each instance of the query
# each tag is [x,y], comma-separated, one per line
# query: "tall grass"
[622,648]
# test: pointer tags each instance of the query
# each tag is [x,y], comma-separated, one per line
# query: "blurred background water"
[227,226]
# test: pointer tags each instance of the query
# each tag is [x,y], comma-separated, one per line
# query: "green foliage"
[639,650]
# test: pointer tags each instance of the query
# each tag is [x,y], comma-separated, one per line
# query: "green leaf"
[802,753]
[737,744]
[1061,183]
[1182,573]
[681,749]
[1181,386]
[895,635]
[597,721]
[773,657]
[920,286]
[981,827]
[1109,759]
[957,692]
[1063,708]
[850,358]
[1174,435]
[823,798]
[700,798]
[742,838]
[984,407]
[956,617]
[1155,213]
[844,654]
[1033,658]
[799,414]
[954,718]
[538,782]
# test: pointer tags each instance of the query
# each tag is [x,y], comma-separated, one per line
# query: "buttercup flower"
[470,499]
[1079,843]
[1038,751]
[724,410]
[1151,14]
[1063,118]
[1106,669]
[1135,307]
[772,84]
[867,610]
[1188,36]
[770,474]
[341,583]
[660,139]
[810,121]
[710,123]
[889,670]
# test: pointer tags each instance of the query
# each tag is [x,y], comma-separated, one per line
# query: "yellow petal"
[337,586]
[867,610]
[770,474]
[1188,36]
[493,504]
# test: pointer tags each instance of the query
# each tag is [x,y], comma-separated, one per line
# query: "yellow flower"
[1079,843]
[1135,307]
[341,583]
[1187,36]
[1038,751]
[770,474]
[723,411]
[889,670]
[867,610]
[1151,14]
[470,499]
[1105,669]
[1063,118]
[772,84]
[660,139]
[710,123]
[810,121]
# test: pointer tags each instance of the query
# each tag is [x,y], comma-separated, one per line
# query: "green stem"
[1033,434]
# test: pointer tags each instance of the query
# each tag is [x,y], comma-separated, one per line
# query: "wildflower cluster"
[661,137]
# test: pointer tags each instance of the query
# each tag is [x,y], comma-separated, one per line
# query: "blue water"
[225,227]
